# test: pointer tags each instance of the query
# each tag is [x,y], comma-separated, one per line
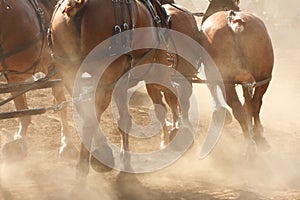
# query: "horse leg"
[155,93]
[21,104]
[17,149]
[102,148]
[172,101]
[218,100]
[67,148]
[124,122]
[89,133]
[261,142]
[219,103]
[241,115]
[82,167]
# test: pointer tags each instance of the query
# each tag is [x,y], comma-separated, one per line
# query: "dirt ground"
[224,174]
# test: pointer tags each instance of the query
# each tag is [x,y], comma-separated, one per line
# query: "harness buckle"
[118,29]
[157,19]
[125,26]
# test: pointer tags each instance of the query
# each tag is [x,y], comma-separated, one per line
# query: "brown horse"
[24,52]
[240,45]
[184,22]
[76,29]
[251,66]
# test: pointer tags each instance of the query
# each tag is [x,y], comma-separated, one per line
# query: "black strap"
[152,11]
[117,28]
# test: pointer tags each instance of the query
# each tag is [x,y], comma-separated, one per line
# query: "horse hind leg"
[173,104]
[172,101]
[219,105]
[24,122]
[67,149]
[90,133]
[241,115]
[261,142]
[124,122]
[17,149]
[155,93]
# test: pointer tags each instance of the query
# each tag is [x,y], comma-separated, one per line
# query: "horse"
[239,43]
[184,22]
[77,27]
[23,53]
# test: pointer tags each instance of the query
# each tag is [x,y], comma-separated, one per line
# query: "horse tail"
[235,22]
[73,7]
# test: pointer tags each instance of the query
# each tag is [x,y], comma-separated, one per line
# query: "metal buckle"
[157,19]
[125,26]
[118,29]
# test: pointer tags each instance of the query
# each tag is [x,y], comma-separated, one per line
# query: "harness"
[41,36]
[122,24]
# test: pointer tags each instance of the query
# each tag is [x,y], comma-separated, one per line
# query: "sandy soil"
[224,174]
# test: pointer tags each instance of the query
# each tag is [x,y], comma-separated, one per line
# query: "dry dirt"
[224,174]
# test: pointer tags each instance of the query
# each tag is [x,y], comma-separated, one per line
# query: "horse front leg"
[124,122]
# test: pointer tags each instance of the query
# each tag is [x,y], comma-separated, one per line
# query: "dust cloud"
[224,174]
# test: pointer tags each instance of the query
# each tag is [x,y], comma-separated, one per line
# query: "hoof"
[183,138]
[82,171]
[15,150]
[99,166]
[106,161]
[130,187]
[68,151]
[262,144]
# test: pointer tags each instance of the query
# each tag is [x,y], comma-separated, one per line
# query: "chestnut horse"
[78,27]
[240,45]
[183,21]
[24,52]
